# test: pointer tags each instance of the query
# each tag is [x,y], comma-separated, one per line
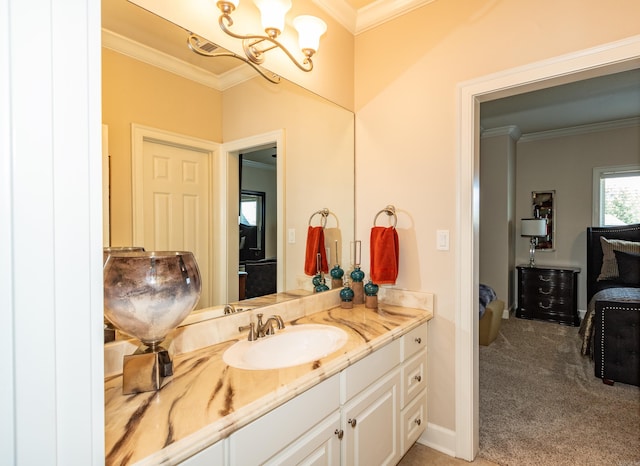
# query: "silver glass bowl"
[148,294]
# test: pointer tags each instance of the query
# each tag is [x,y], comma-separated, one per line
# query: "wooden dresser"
[548,293]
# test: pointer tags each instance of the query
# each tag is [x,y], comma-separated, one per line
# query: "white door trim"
[606,59]
[229,151]
[106,188]
[140,134]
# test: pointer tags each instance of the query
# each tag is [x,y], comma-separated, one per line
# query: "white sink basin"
[294,345]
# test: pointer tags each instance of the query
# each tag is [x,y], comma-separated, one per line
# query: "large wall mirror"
[159,98]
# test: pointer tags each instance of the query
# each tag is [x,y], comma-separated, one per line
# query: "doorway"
[268,144]
[616,57]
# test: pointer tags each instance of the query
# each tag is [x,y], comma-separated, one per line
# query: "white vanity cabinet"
[371,408]
[213,455]
[294,431]
[369,413]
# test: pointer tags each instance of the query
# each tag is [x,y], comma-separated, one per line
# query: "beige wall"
[134,92]
[497,210]
[565,164]
[406,77]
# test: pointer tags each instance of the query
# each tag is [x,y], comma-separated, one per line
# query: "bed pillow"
[628,268]
[609,269]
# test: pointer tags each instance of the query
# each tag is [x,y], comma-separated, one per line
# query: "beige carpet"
[540,403]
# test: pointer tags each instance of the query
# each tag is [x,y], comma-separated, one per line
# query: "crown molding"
[581,129]
[382,11]
[370,16]
[153,57]
[513,131]
[260,165]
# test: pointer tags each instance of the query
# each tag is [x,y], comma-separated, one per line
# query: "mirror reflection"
[166,108]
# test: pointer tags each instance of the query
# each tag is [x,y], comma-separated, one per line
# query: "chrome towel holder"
[389,210]
[324,213]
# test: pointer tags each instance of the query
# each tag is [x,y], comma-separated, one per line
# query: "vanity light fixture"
[533,228]
[255,46]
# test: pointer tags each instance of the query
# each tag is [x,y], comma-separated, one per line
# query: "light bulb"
[273,12]
[309,30]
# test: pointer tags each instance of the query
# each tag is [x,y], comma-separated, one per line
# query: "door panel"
[176,203]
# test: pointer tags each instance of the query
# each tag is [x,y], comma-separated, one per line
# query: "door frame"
[598,61]
[229,177]
[141,134]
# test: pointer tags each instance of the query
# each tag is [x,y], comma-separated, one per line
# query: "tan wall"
[572,159]
[406,78]
[134,92]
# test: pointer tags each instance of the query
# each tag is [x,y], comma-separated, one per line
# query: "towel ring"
[389,210]
[324,213]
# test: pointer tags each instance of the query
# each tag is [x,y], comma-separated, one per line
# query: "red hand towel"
[384,255]
[315,245]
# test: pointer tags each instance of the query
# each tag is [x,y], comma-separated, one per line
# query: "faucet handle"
[252,331]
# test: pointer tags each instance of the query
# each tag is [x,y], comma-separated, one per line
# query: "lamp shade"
[533,227]
[273,13]
[309,30]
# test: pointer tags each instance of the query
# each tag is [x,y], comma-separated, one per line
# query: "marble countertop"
[207,400]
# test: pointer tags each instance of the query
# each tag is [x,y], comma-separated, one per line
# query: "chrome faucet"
[229,309]
[262,329]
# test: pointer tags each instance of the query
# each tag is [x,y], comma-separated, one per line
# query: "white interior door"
[172,202]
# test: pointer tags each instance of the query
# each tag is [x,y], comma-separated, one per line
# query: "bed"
[610,330]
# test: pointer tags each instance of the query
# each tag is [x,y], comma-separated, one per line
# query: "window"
[616,193]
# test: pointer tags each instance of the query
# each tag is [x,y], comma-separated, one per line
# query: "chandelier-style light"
[255,46]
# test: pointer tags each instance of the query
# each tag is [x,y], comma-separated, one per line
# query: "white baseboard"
[440,439]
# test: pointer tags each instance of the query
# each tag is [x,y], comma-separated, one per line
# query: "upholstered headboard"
[594,252]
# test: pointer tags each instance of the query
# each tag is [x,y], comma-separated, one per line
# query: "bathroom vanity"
[363,404]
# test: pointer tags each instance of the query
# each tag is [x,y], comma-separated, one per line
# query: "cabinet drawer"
[413,421]
[414,377]
[250,445]
[414,341]
[211,455]
[359,376]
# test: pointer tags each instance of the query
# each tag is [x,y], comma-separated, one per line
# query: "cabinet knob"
[352,422]
[418,340]
[418,378]
[339,433]
[418,421]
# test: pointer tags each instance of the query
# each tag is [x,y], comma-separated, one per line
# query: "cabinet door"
[371,424]
[318,447]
